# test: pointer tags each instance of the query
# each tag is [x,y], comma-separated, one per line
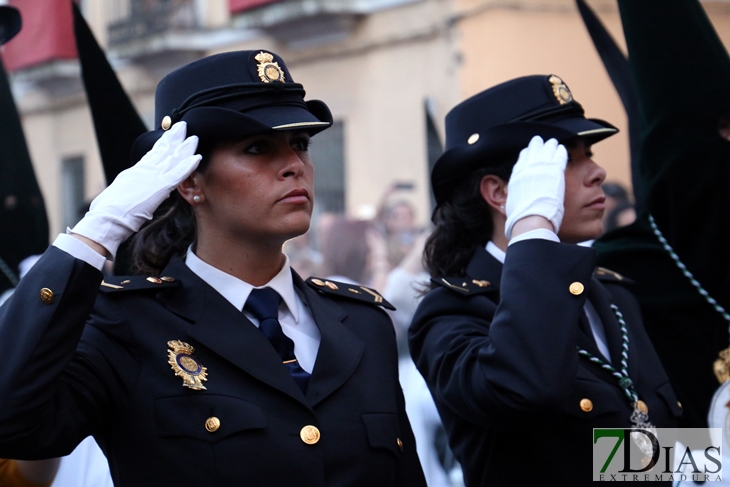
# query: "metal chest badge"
[180,358]
[268,69]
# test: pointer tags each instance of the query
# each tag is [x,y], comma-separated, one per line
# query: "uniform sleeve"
[10,476]
[492,364]
[53,396]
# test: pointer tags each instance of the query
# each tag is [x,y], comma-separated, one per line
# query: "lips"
[598,203]
[296,196]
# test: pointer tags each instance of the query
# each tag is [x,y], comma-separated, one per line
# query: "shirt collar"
[237,291]
[496,252]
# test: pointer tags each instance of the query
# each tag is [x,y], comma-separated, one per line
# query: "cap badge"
[182,362]
[269,70]
[560,90]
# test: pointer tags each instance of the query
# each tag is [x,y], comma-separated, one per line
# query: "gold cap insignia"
[560,90]
[182,362]
[269,70]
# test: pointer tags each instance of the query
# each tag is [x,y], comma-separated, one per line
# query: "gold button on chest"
[400,443]
[641,406]
[309,434]
[586,405]
[46,295]
[212,424]
[576,288]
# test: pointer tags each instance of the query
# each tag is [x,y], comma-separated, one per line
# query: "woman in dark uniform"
[521,340]
[218,366]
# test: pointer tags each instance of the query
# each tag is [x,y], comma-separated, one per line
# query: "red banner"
[236,6]
[47,34]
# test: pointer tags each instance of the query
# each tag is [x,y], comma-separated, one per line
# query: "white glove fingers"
[561,156]
[166,144]
[188,147]
[179,172]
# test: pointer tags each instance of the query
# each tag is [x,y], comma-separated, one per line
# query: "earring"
[501,207]
[196,198]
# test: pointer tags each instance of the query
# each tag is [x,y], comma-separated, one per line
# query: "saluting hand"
[123,207]
[537,184]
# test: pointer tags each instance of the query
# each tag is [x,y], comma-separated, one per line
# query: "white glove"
[122,208]
[537,184]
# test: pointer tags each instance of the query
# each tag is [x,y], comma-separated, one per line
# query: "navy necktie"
[263,304]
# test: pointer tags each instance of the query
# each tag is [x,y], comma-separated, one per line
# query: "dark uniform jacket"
[499,355]
[61,381]
[682,73]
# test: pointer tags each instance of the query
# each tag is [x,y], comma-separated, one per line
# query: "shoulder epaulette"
[351,291]
[113,284]
[465,285]
[603,274]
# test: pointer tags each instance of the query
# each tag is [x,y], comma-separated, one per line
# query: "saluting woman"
[521,340]
[218,366]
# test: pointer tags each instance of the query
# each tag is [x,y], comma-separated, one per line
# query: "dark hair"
[172,228]
[345,249]
[463,223]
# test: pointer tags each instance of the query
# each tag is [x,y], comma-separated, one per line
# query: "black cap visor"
[216,123]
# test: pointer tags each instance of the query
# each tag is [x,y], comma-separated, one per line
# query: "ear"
[494,191]
[190,189]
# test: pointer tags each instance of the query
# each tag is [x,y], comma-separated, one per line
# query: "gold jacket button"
[46,295]
[309,434]
[212,424]
[641,406]
[155,280]
[576,288]
[680,405]
[400,443]
[586,405]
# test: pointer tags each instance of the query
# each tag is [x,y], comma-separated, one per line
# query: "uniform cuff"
[78,249]
[542,233]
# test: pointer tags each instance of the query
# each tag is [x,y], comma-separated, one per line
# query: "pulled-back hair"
[463,223]
[172,228]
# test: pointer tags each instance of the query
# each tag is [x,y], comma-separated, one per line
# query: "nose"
[595,175]
[293,165]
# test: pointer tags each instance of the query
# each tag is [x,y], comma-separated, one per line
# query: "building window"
[328,155]
[72,190]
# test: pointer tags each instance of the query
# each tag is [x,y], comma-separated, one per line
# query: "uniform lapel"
[220,327]
[601,300]
[340,350]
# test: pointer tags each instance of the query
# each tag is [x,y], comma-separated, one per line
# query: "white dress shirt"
[295,318]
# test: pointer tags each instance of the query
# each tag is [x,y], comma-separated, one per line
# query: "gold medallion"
[560,90]
[722,366]
[269,70]
[182,362]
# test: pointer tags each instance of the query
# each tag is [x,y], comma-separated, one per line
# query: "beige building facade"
[381,66]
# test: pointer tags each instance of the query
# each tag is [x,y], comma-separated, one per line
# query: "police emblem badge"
[268,69]
[180,358]
[560,90]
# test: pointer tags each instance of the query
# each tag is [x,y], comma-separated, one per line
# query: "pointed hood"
[116,122]
[21,203]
